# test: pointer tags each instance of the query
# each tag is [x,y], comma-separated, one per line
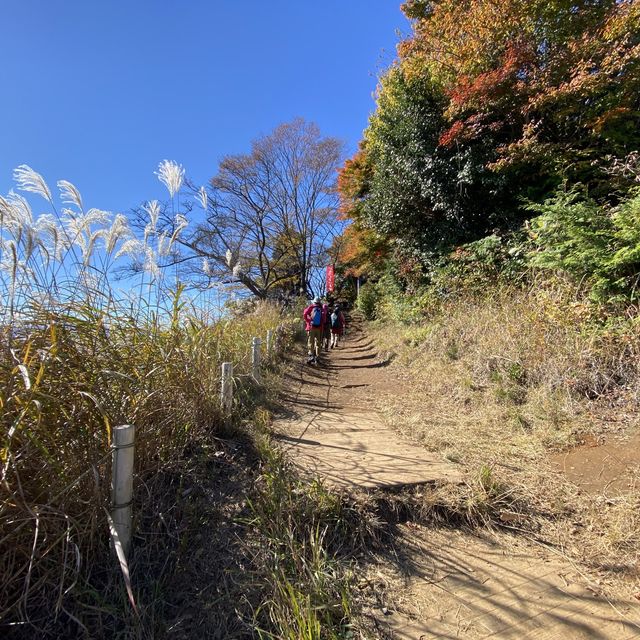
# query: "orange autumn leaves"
[511,63]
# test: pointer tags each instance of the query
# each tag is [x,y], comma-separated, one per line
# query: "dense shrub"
[595,244]
[474,266]
[367,301]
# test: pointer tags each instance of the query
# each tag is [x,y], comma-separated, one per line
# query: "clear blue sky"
[99,91]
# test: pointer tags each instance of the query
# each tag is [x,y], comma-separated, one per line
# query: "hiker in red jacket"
[314,321]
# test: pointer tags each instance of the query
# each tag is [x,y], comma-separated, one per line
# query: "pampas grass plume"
[171,174]
[29,180]
[69,193]
[202,195]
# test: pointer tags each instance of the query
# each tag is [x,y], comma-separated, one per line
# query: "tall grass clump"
[81,353]
[306,541]
[536,345]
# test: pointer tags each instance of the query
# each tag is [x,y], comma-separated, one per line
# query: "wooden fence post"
[255,358]
[122,482]
[226,391]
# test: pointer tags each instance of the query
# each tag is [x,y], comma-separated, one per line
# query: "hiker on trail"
[314,320]
[338,325]
[326,327]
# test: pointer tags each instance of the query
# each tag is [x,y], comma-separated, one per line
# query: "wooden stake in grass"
[122,482]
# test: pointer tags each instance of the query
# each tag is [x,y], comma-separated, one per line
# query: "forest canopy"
[492,105]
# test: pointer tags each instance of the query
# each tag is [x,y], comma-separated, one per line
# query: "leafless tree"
[269,215]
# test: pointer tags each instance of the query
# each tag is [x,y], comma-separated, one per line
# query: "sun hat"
[316,300]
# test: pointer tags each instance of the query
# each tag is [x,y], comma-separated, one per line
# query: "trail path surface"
[434,583]
[331,431]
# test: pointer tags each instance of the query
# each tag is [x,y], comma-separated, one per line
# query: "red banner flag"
[331,278]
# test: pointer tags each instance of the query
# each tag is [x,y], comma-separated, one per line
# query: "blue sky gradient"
[99,92]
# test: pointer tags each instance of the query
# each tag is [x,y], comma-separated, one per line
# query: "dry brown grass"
[496,385]
[73,374]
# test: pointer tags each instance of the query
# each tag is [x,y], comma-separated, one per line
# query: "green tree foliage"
[595,244]
[405,185]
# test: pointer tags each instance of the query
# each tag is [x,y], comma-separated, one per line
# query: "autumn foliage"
[360,251]
[491,102]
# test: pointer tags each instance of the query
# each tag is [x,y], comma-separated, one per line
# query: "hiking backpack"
[335,320]
[316,316]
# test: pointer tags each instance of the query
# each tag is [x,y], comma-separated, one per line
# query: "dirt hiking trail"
[334,434]
[433,582]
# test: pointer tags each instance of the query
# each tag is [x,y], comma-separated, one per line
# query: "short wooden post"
[226,391]
[255,358]
[122,482]
[269,342]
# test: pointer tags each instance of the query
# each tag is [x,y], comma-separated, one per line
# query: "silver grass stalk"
[26,271]
[69,193]
[171,174]
[5,208]
[119,230]
[164,244]
[17,232]
[46,254]
[30,242]
[76,231]
[180,223]
[153,211]
[202,195]
[150,263]
[232,257]
[132,248]
[79,232]
[47,227]
[96,216]
[48,232]
[19,210]
[62,247]
[91,243]
[9,262]
[7,245]
[29,180]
